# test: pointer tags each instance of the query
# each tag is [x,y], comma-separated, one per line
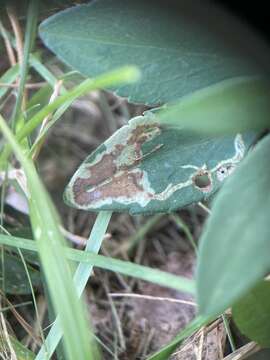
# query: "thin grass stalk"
[82,274]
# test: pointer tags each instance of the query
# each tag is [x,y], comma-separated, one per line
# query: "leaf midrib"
[101,41]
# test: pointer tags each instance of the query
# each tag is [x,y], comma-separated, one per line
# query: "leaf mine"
[145,167]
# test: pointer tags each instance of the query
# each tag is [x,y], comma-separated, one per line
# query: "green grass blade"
[126,268]
[50,244]
[81,277]
[156,276]
[123,75]
[42,70]
[20,350]
[8,78]
[33,295]
[143,230]
[41,136]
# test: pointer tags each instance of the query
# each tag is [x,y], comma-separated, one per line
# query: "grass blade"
[81,277]
[120,76]
[42,70]
[8,78]
[123,75]
[50,244]
[156,276]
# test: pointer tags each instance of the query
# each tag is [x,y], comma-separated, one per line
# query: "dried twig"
[22,321]
[9,48]
[19,42]
[7,339]
[28,86]
[149,297]
[244,351]
[17,32]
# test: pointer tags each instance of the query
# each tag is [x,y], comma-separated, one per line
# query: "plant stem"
[180,223]
[228,331]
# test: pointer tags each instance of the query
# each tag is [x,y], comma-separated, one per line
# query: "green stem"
[228,331]
[140,234]
[180,223]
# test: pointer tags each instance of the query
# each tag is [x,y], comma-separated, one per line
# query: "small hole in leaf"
[202,181]
[224,171]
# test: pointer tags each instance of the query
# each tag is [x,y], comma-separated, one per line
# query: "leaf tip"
[131,73]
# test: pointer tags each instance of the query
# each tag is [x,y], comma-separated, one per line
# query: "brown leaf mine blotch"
[114,174]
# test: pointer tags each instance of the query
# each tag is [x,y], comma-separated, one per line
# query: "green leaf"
[234,105]
[235,245]
[178,47]
[147,168]
[252,314]
[15,280]
[263,354]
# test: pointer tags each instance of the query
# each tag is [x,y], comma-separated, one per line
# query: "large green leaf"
[179,46]
[234,249]
[234,105]
[147,168]
[252,314]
